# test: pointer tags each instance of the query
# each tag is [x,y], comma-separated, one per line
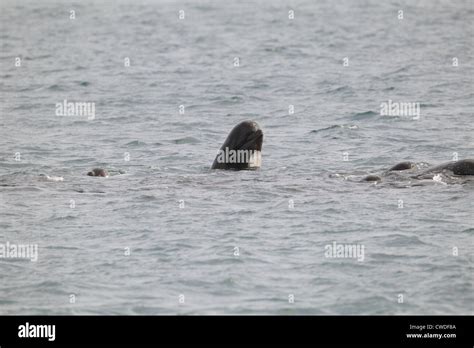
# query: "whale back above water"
[98,172]
[402,166]
[461,167]
[408,171]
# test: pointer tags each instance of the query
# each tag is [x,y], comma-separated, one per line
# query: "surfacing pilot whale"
[461,167]
[98,172]
[242,149]
[457,168]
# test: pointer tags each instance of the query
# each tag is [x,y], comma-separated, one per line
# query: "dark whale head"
[98,172]
[372,178]
[402,166]
[242,148]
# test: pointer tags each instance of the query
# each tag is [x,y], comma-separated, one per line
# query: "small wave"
[229,101]
[48,285]
[336,126]
[429,105]
[135,143]
[25,106]
[51,178]
[7,302]
[398,71]
[55,87]
[44,56]
[276,49]
[186,140]
[219,261]
[364,115]
[60,247]
[402,240]
[147,197]
[142,310]
[63,218]
[341,89]
[387,256]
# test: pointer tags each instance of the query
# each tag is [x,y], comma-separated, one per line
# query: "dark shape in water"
[246,139]
[372,178]
[402,166]
[462,167]
[98,172]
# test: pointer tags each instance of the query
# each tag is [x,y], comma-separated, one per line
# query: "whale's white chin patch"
[255,160]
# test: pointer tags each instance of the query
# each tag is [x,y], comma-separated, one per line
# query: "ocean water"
[166,235]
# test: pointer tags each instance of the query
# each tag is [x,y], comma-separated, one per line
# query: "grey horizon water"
[190,251]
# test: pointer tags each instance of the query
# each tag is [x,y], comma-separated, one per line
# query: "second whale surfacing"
[402,166]
[242,149]
[98,172]
[458,168]
[461,167]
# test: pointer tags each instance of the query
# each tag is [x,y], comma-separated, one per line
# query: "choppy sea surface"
[166,235]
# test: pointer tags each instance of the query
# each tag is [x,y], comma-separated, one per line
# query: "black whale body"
[246,137]
[460,168]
